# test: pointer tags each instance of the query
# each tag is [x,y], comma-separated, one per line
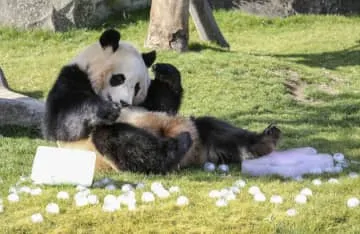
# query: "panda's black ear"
[110,37]
[149,58]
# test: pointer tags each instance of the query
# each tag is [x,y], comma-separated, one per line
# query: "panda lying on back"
[213,139]
[76,110]
[87,106]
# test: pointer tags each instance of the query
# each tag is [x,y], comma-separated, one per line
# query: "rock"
[60,15]
[283,8]
[18,109]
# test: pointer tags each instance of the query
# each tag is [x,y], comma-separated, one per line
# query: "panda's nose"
[124,104]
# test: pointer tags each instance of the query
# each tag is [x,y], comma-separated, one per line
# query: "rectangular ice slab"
[290,163]
[54,165]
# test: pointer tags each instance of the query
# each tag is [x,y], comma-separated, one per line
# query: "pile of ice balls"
[122,197]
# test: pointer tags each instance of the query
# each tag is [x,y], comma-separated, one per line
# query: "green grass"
[244,86]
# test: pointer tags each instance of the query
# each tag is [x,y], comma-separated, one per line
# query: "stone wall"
[59,15]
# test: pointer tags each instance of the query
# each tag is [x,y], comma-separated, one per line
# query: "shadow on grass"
[198,47]
[330,60]
[20,132]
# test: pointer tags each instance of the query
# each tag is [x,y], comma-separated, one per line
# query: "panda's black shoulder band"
[110,37]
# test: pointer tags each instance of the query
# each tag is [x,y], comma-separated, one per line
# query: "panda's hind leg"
[135,149]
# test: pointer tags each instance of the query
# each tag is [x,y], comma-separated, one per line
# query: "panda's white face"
[119,76]
[129,80]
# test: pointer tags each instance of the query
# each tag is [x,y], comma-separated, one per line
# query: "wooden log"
[205,22]
[18,109]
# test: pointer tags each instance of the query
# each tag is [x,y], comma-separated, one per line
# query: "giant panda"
[79,114]
[213,140]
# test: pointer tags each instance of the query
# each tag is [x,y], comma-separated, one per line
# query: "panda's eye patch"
[137,88]
[117,79]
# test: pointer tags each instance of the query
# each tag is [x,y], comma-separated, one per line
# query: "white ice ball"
[339,157]
[106,181]
[333,181]
[209,167]
[234,189]
[140,186]
[37,218]
[13,197]
[35,191]
[147,197]
[126,188]
[174,189]
[353,202]
[93,199]
[229,196]
[81,201]
[110,199]
[259,197]
[214,194]
[254,190]
[276,199]
[306,192]
[317,182]
[182,201]
[62,195]
[221,203]
[240,183]
[52,208]
[353,175]
[156,186]
[162,193]
[110,187]
[291,212]
[25,189]
[301,199]
[223,168]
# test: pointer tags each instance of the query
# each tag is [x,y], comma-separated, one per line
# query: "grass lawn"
[301,72]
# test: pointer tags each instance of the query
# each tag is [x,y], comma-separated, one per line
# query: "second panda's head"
[117,70]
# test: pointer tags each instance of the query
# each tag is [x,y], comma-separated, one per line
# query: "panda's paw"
[176,150]
[168,74]
[109,112]
[272,131]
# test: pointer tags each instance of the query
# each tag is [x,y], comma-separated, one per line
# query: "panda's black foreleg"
[72,107]
[135,149]
[165,92]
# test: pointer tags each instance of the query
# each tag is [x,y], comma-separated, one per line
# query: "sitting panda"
[212,139]
[78,114]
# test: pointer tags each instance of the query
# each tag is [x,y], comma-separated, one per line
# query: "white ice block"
[290,163]
[54,166]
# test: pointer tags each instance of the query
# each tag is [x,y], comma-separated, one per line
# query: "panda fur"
[78,114]
[212,139]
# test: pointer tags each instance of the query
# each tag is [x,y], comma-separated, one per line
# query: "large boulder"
[18,109]
[60,15]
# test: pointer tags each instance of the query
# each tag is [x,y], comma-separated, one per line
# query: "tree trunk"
[205,23]
[169,25]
